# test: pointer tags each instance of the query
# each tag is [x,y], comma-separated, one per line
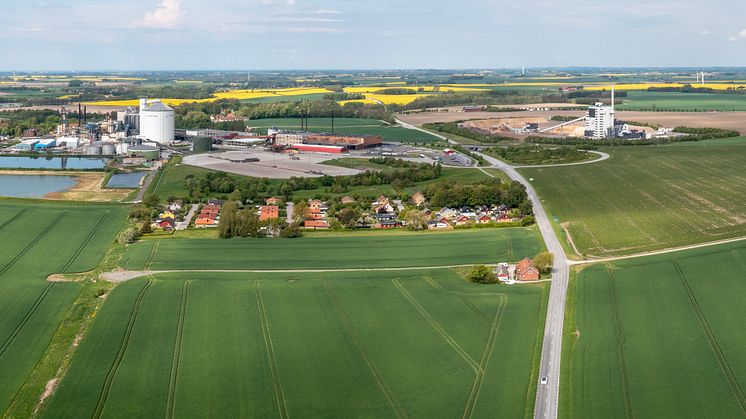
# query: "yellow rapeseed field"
[394,99]
[232,94]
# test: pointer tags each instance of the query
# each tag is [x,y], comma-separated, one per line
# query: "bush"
[544,262]
[291,231]
[128,236]
[482,275]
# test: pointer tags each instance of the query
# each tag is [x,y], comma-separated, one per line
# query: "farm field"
[408,343]
[397,250]
[673,101]
[351,126]
[657,337]
[649,198]
[40,239]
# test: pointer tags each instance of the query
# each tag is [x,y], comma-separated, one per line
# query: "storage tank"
[93,150]
[108,149]
[157,123]
[122,148]
[202,144]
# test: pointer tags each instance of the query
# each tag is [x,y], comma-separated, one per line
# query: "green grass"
[658,337]
[41,239]
[324,252]
[675,101]
[648,198]
[350,126]
[312,345]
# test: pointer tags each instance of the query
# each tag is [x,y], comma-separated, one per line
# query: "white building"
[156,122]
[599,121]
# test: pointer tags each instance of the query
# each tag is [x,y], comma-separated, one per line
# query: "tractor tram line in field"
[85,242]
[174,374]
[712,340]
[35,306]
[32,243]
[355,340]
[620,341]
[13,218]
[282,407]
[104,395]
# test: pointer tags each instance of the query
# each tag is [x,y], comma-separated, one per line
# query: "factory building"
[285,138]
[599,121]
[156,122]
[355,142]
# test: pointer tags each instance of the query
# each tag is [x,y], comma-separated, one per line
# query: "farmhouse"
[273,201]
[418,199]
[526,271]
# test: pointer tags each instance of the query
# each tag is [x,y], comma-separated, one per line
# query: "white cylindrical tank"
[157,123]
[122,148]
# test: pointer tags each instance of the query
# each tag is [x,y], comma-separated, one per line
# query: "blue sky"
[48,35]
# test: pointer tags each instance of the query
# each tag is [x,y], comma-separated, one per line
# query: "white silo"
[157,122]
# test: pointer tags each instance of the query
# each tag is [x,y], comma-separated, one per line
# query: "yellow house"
[167,214]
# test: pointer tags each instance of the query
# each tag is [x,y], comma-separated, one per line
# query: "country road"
[547,395]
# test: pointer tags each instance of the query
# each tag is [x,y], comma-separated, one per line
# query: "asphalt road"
[547,395]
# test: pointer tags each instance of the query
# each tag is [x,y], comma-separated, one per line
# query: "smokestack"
[85,114]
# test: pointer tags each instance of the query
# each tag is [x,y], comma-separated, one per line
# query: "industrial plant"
[139,133]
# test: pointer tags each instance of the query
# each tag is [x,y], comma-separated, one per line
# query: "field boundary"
[282,406]
[356,341]
[122,349]
[714,345]
[174,375]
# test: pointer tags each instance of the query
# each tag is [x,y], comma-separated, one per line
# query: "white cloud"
[741,35]
[704,32]
[166,15]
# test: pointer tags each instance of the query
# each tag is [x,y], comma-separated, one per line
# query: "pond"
[126,180]
[33,186]
[70,163]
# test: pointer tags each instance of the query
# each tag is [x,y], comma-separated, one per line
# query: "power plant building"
[599,121]
[156,122]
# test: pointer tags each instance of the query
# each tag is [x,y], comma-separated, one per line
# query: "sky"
[101,35]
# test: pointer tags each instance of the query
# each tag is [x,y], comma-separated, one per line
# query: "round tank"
[93,150]
[157,123]
[108,149]
[122,148]
[202,144]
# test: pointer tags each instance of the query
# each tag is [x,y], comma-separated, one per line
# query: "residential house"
[316,224]
[347,200]
[503,272]
[464,220]
[216,202]
[418,199]
[167,214]
[484,219]
[504,218]
[166,224]
[438,224]
[525,270]
[176,206]
[269,212]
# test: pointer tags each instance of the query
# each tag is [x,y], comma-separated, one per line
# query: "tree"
[482,275]
[544,262]
[416,220]
[299,211]
[291,231]
[128,236]
[348,217]
[151,200]
[228,220]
